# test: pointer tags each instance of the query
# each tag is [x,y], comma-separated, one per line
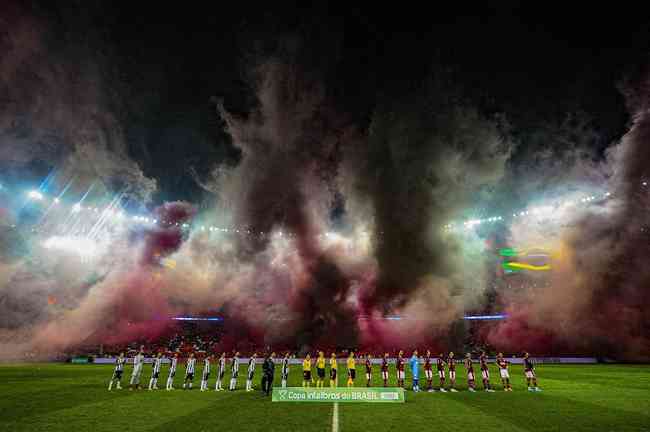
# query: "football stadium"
[323,218]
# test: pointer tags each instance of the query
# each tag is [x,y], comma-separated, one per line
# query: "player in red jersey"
[503,364]
[428,373]
[440,363]
[368,370]
[451,363]
[485,372]
[529,373]
[469,367]
[384,369]
[399,365]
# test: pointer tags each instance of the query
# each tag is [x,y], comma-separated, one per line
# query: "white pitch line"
[335,417]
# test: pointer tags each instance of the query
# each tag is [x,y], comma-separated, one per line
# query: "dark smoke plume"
[598,299]
[284,183]
[428,156]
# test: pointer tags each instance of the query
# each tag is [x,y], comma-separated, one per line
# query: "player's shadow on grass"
[29,404]
[536,411]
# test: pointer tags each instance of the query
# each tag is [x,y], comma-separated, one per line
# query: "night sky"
[170,66]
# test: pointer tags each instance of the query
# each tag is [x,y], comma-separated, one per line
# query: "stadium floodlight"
[76,208]
[36,195]
[56,200]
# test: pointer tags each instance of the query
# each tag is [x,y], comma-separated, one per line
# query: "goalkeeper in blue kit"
[414,362]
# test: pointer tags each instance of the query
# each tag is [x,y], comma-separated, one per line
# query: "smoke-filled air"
[324,229]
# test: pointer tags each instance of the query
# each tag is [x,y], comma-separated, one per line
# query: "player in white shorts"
[502,363]
[138,362]
[234,370]
[190,366]
[469,367]
[285,370]
[384,369]
[440,364]
[428,372]
[451,364]
[485,372]
[205,376]
[251,372]
[529,373]
[172,372]
[155,372]
[221,372]
[368,370]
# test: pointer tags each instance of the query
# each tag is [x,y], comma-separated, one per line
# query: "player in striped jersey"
[172,372]
[451,364]
[485,372]
[138,361]
[117,373]
[190,366]
[251,372]
[155,372]
[440,364]
[529,373]
[205,376]
[399,365]
[285,370]
[234,370]
[334,366]
[428,372]
[502,363]
[384,369]
[469,367]
[221,372]
[368,370]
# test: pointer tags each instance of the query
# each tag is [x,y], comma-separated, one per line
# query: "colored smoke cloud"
[337,225]
[597,300]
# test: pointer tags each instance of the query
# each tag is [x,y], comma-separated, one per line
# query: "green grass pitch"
[65,397]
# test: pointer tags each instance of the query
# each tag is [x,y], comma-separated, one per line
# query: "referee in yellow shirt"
[352,371]
[306,371]
[333,368]
[320,369]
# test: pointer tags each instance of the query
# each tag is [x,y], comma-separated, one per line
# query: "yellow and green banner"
[339,394]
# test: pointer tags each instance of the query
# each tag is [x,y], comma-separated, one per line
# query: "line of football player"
[445,366]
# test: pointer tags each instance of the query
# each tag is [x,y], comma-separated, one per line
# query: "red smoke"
[167,237]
